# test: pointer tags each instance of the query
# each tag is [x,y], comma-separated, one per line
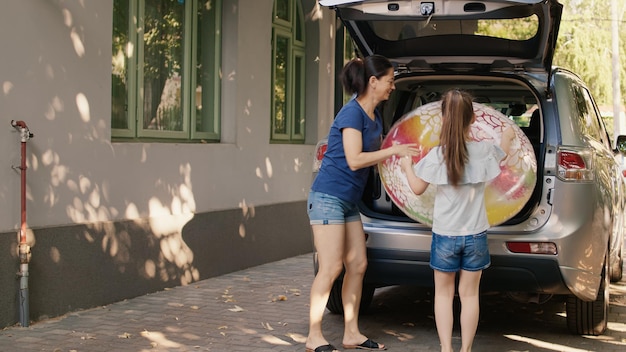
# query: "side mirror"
[620,144]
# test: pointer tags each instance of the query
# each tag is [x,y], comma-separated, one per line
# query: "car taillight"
[574,164]
[320,150]
[532,247]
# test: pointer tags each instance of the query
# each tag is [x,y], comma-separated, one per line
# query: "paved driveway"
[265,308]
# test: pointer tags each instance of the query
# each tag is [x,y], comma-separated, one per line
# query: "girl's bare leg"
[444,298]
[469,283]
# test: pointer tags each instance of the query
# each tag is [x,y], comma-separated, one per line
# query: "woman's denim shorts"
[453,253]
[324,209]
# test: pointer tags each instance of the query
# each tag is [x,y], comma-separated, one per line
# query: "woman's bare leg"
[329,241]
[355,263]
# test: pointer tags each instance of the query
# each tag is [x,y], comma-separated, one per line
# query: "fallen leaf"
[124,336]
[267,326]
[279,298]
[236,309]
[194,307]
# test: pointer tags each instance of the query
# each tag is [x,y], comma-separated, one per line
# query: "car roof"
[455,34]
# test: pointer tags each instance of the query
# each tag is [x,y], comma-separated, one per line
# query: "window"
[349,53]
[288,114]
[345,50]
[165,70]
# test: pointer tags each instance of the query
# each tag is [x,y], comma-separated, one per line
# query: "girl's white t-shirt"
[460,210]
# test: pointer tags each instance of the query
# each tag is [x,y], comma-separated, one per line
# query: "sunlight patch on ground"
[299,338]
[620,327]
[612,338]
[159,339]
[275,340]
[545,345]
[401,336]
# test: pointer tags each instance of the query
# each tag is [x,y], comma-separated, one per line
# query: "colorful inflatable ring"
[505,195]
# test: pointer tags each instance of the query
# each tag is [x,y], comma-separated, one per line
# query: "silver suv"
[567,240]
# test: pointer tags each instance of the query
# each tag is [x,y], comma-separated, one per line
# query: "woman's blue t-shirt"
[335,177]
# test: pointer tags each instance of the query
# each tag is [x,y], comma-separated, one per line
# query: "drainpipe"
[23,247]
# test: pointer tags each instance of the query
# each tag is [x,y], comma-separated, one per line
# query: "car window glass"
[597,117]
[512,29]
[585,112]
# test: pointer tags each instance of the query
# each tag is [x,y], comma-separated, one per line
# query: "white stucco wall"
[55,75]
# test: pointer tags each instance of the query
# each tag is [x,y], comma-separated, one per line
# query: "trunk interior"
[512,97]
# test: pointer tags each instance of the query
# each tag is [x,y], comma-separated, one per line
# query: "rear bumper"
[506,273]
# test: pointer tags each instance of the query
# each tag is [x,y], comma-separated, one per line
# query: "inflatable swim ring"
[505,195]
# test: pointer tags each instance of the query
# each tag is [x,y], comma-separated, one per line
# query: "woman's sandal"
[367,345]
[323,348]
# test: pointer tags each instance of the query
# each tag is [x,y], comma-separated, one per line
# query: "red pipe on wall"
[24,248]
[25,136]
[23,190]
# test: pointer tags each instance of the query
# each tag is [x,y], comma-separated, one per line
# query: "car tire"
[590,317]
[616,270]
[335,303]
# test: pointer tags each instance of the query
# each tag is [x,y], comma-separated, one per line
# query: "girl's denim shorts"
[454,253]
[324,209]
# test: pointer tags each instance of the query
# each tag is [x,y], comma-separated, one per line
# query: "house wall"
[109,221]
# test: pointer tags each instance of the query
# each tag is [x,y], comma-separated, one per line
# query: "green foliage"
[516,29]
[584,45]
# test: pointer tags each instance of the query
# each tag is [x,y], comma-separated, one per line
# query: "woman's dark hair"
[357,72]
[457,114]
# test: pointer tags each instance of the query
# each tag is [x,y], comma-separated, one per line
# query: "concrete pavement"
[265,308]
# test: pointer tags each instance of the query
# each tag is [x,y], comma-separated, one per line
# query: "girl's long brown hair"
[457,116]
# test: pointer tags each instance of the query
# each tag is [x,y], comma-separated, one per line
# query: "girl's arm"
[358,159]
[418,186]
[507,139]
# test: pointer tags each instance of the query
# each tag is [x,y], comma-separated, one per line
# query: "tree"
[584,45]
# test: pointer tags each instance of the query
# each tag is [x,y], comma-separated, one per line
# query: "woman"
[460,168]
[353,146]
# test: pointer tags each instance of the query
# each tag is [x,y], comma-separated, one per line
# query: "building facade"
[173,141]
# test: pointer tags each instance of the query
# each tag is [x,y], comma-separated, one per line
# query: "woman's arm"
[418,186]
[358,159]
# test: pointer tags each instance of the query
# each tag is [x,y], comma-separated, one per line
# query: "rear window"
[519,29]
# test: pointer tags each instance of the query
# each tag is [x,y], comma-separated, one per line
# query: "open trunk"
[511,96]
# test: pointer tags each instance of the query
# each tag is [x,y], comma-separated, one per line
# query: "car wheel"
[335,303]
[617,268]
[590,317]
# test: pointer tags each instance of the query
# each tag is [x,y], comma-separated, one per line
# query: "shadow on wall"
[84,266]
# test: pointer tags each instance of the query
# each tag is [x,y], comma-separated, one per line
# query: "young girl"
[353,146]
[460,168]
